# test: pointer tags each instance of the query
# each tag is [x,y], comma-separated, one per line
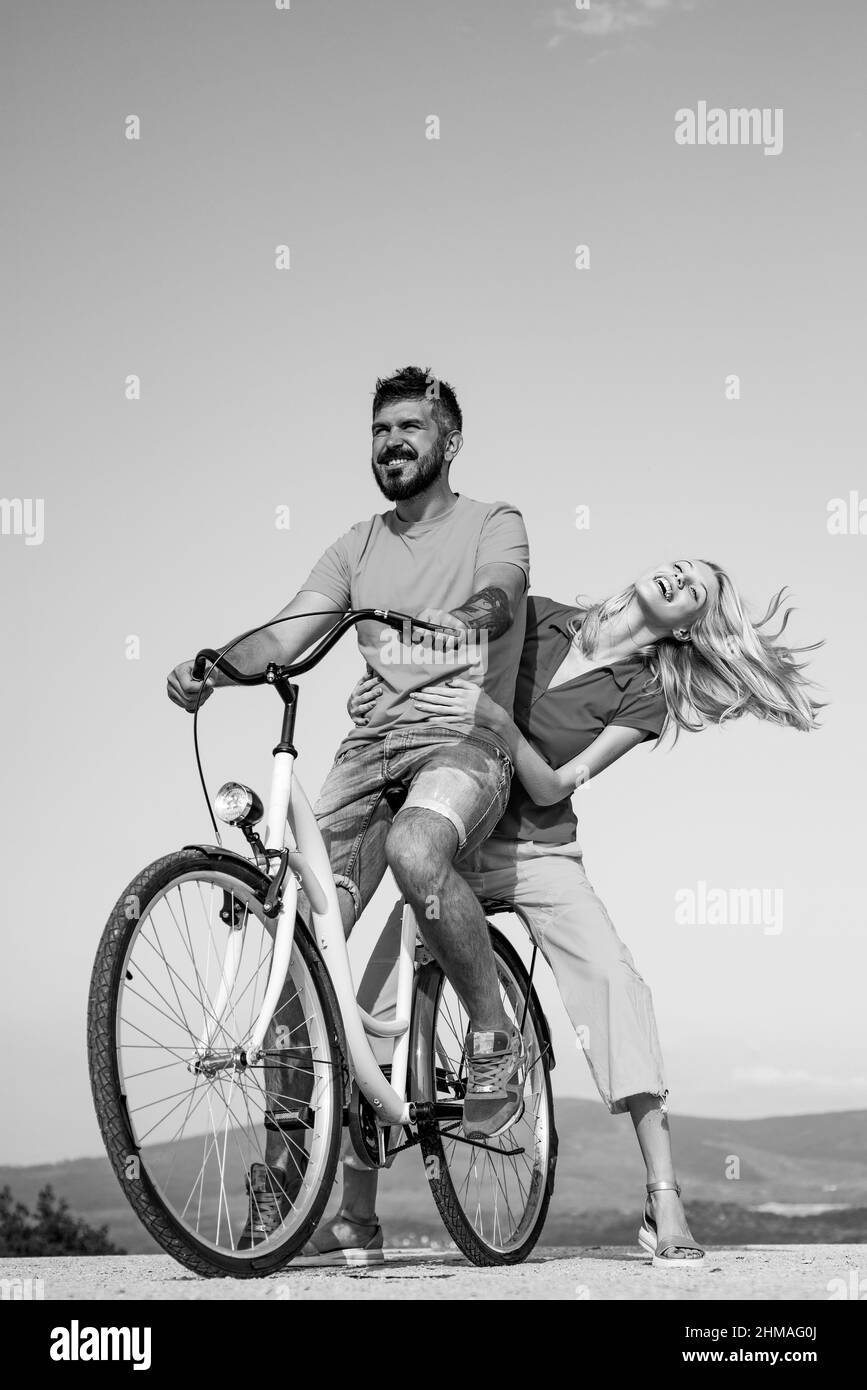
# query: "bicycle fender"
[233,857]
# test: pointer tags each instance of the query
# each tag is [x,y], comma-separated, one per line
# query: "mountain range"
[798,1178]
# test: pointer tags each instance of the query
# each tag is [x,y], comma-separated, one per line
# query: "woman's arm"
[548,785]
[461,699]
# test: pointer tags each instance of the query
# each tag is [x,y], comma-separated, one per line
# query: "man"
[444,558]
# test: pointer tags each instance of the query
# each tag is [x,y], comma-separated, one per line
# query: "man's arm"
[280,642]
[497,587]
[326,590]
[283,642]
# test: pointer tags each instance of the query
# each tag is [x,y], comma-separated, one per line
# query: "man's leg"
[354,821]
[377,993]
[420,849]
[459,788]
[289,1087]
[428,879]
[356,1223]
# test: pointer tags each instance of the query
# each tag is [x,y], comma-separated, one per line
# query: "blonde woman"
[674,651]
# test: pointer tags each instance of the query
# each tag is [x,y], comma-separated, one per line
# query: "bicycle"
[189,1046]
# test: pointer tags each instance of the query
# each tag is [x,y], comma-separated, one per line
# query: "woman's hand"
[363,696]
[460,699]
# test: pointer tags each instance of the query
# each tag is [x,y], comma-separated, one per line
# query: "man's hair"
[413,384]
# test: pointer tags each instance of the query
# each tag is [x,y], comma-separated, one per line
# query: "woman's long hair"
[731,666]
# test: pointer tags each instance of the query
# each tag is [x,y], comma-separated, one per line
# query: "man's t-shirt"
[407,566]
[561,723]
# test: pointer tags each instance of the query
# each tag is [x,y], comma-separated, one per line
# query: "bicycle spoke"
[152,1005]
[171,973]
[189,945]
[163,1046]
[162,1099]
[134,1075]
[206,1010]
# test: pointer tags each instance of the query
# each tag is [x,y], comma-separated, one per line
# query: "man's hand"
[312,614]
[441,641]
[183,690]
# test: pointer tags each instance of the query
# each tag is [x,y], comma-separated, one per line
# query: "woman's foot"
[670,1220]
[664,1233]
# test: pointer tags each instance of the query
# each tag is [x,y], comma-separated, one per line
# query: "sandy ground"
[615,1272]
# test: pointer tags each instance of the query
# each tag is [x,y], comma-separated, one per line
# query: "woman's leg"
[608,1002]
[654,1138]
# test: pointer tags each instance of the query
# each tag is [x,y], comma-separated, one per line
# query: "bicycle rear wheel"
[176,990]
[493,1197]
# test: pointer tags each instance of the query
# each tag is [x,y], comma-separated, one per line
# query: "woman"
[673,651]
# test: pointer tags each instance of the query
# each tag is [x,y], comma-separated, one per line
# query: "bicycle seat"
[491,906]
[395,794]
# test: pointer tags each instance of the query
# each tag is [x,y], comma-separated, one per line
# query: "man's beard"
[425,472]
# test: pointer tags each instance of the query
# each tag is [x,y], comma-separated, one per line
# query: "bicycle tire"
[106,1085]
[430,981]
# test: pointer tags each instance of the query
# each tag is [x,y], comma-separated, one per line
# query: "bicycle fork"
[281,903]
[291,823]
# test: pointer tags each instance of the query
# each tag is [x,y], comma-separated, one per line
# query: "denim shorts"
[464,777]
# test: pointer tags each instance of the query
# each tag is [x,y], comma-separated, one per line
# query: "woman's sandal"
[648,1237]
[318,1254]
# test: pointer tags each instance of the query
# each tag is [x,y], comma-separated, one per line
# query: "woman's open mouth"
[666,589]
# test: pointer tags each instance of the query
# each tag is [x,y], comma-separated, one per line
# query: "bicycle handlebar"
[207,656]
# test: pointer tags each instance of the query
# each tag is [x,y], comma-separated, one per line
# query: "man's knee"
[420,847]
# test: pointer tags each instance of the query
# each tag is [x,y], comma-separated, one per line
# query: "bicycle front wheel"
[493,1197]
[202,1139]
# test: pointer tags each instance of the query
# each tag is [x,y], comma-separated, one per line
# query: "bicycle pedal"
[300,1118]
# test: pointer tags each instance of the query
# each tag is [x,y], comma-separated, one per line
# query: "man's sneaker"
[270,1205]
[495,1082]
[328,1245]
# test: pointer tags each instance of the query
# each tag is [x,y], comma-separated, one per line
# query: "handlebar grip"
[207,657]
[398,621]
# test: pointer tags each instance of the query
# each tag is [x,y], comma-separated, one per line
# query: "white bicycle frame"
[292,824]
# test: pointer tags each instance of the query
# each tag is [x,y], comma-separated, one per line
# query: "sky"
[606,387]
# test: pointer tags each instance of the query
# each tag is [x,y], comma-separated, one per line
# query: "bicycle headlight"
[238,805]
